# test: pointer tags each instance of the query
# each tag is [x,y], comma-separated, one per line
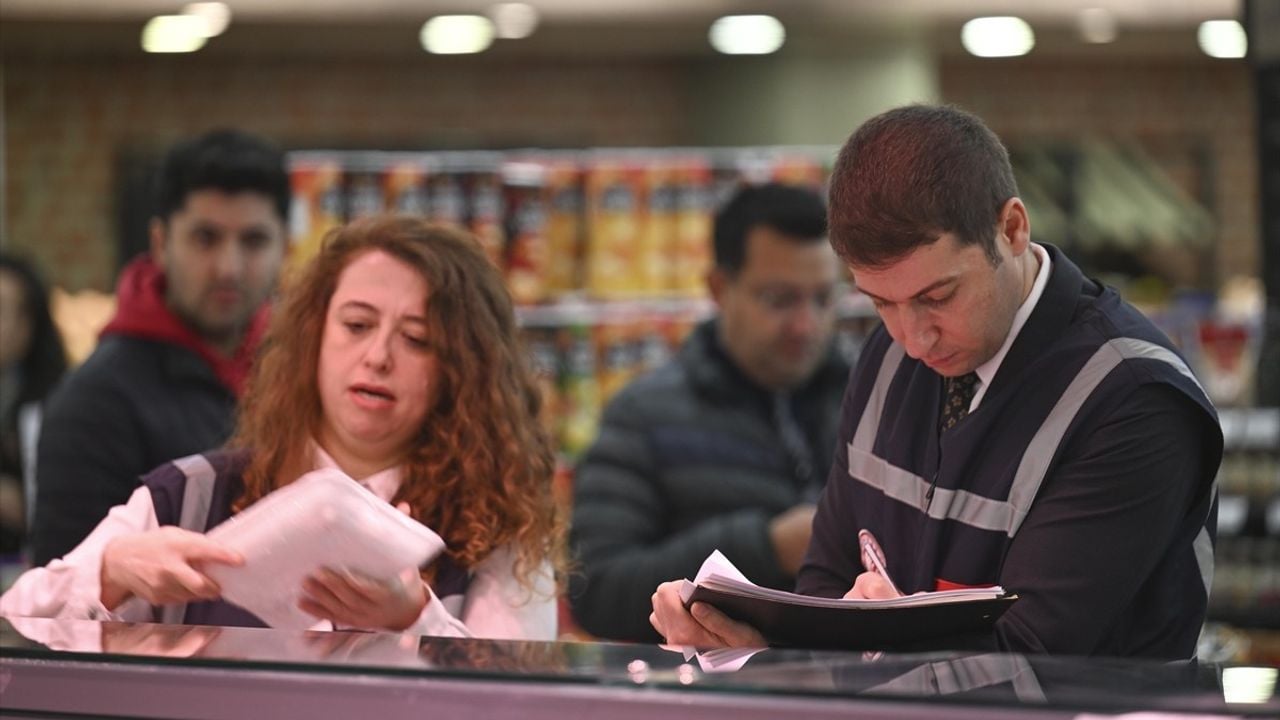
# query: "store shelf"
[579,310]
[1246,583]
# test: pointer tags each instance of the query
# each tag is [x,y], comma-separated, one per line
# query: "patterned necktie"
[957,394]
[793,440]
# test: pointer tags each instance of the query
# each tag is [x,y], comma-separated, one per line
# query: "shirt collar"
[383,483]
[987,370]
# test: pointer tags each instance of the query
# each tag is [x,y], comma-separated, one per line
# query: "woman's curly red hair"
[481,472]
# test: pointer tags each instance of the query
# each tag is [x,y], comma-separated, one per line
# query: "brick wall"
[1167,106]
[67,120]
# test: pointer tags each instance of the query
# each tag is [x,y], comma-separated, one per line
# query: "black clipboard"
[856,628]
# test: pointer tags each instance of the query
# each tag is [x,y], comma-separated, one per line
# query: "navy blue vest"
[196,493]
[946,509]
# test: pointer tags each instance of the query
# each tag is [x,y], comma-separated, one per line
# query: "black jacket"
[132,406]
[689,460]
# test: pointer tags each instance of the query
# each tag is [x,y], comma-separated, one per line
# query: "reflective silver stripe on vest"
[948,677]
[1035,460]
[1203,548]
[907,487]
[986,513]
[197,495]
[865,436]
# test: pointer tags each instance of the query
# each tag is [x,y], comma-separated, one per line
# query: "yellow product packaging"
[405,187]
[484,196]
[544,356]
[445,200]
[580,396]
[362,185]
[654,252]
[563,201]
[652,347]
[316,185]
[613,224]
[526,256]
[616,353]
[692,251]
[798,169]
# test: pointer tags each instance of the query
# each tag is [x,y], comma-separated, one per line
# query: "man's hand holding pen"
[875,583]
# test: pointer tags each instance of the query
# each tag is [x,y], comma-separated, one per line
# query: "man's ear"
[1015,225]
[157,233]
[717,281]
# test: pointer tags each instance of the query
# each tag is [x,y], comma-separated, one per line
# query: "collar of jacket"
[716,376]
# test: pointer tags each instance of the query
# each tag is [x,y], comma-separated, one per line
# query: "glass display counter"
[53,668]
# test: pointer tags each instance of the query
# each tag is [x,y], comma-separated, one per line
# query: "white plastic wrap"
[323,519]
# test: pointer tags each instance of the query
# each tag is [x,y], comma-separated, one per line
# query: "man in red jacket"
[164,379]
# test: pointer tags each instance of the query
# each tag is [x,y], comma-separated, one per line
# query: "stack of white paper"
[323,519]
[717,573]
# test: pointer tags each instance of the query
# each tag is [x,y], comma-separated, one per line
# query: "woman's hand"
[161,566]
[701,626]
[349,600]
[162,640]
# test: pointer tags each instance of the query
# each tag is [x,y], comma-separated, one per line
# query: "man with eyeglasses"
[726,446]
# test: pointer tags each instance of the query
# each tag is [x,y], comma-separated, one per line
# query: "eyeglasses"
[783,301]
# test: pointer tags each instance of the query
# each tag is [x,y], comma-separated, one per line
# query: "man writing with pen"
[1011,423]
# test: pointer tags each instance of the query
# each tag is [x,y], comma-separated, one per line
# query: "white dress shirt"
[987,370]
[495,605]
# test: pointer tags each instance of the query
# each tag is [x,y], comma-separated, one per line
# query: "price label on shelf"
[1233,510]
[1263,428]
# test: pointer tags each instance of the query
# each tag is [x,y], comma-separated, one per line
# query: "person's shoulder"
[119,359]
[120,372]
[658,385]
[109,372]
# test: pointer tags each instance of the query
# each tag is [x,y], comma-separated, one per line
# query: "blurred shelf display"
[613,223]
[605,250]
[1246,583]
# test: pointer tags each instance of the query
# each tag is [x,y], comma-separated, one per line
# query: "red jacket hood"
[141,312]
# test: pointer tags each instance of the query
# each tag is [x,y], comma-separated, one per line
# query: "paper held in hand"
[786,618]
[323,519]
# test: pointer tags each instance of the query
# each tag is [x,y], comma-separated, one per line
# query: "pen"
[873,558]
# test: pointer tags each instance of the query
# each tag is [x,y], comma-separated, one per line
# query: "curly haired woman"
[394,358]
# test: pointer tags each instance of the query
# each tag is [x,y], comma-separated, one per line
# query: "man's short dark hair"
[227,160]
[794,211]
[911,174]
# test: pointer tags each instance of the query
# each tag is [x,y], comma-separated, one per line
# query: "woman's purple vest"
[196,492]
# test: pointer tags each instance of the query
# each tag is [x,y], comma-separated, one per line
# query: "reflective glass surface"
[970,680]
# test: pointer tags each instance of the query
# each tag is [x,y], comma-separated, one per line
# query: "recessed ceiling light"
[1249,684]
[216,16]
[747,34]
[514,20]
[1222,39]
[173,34]
[998,36]
[456,34]
[1097,25]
